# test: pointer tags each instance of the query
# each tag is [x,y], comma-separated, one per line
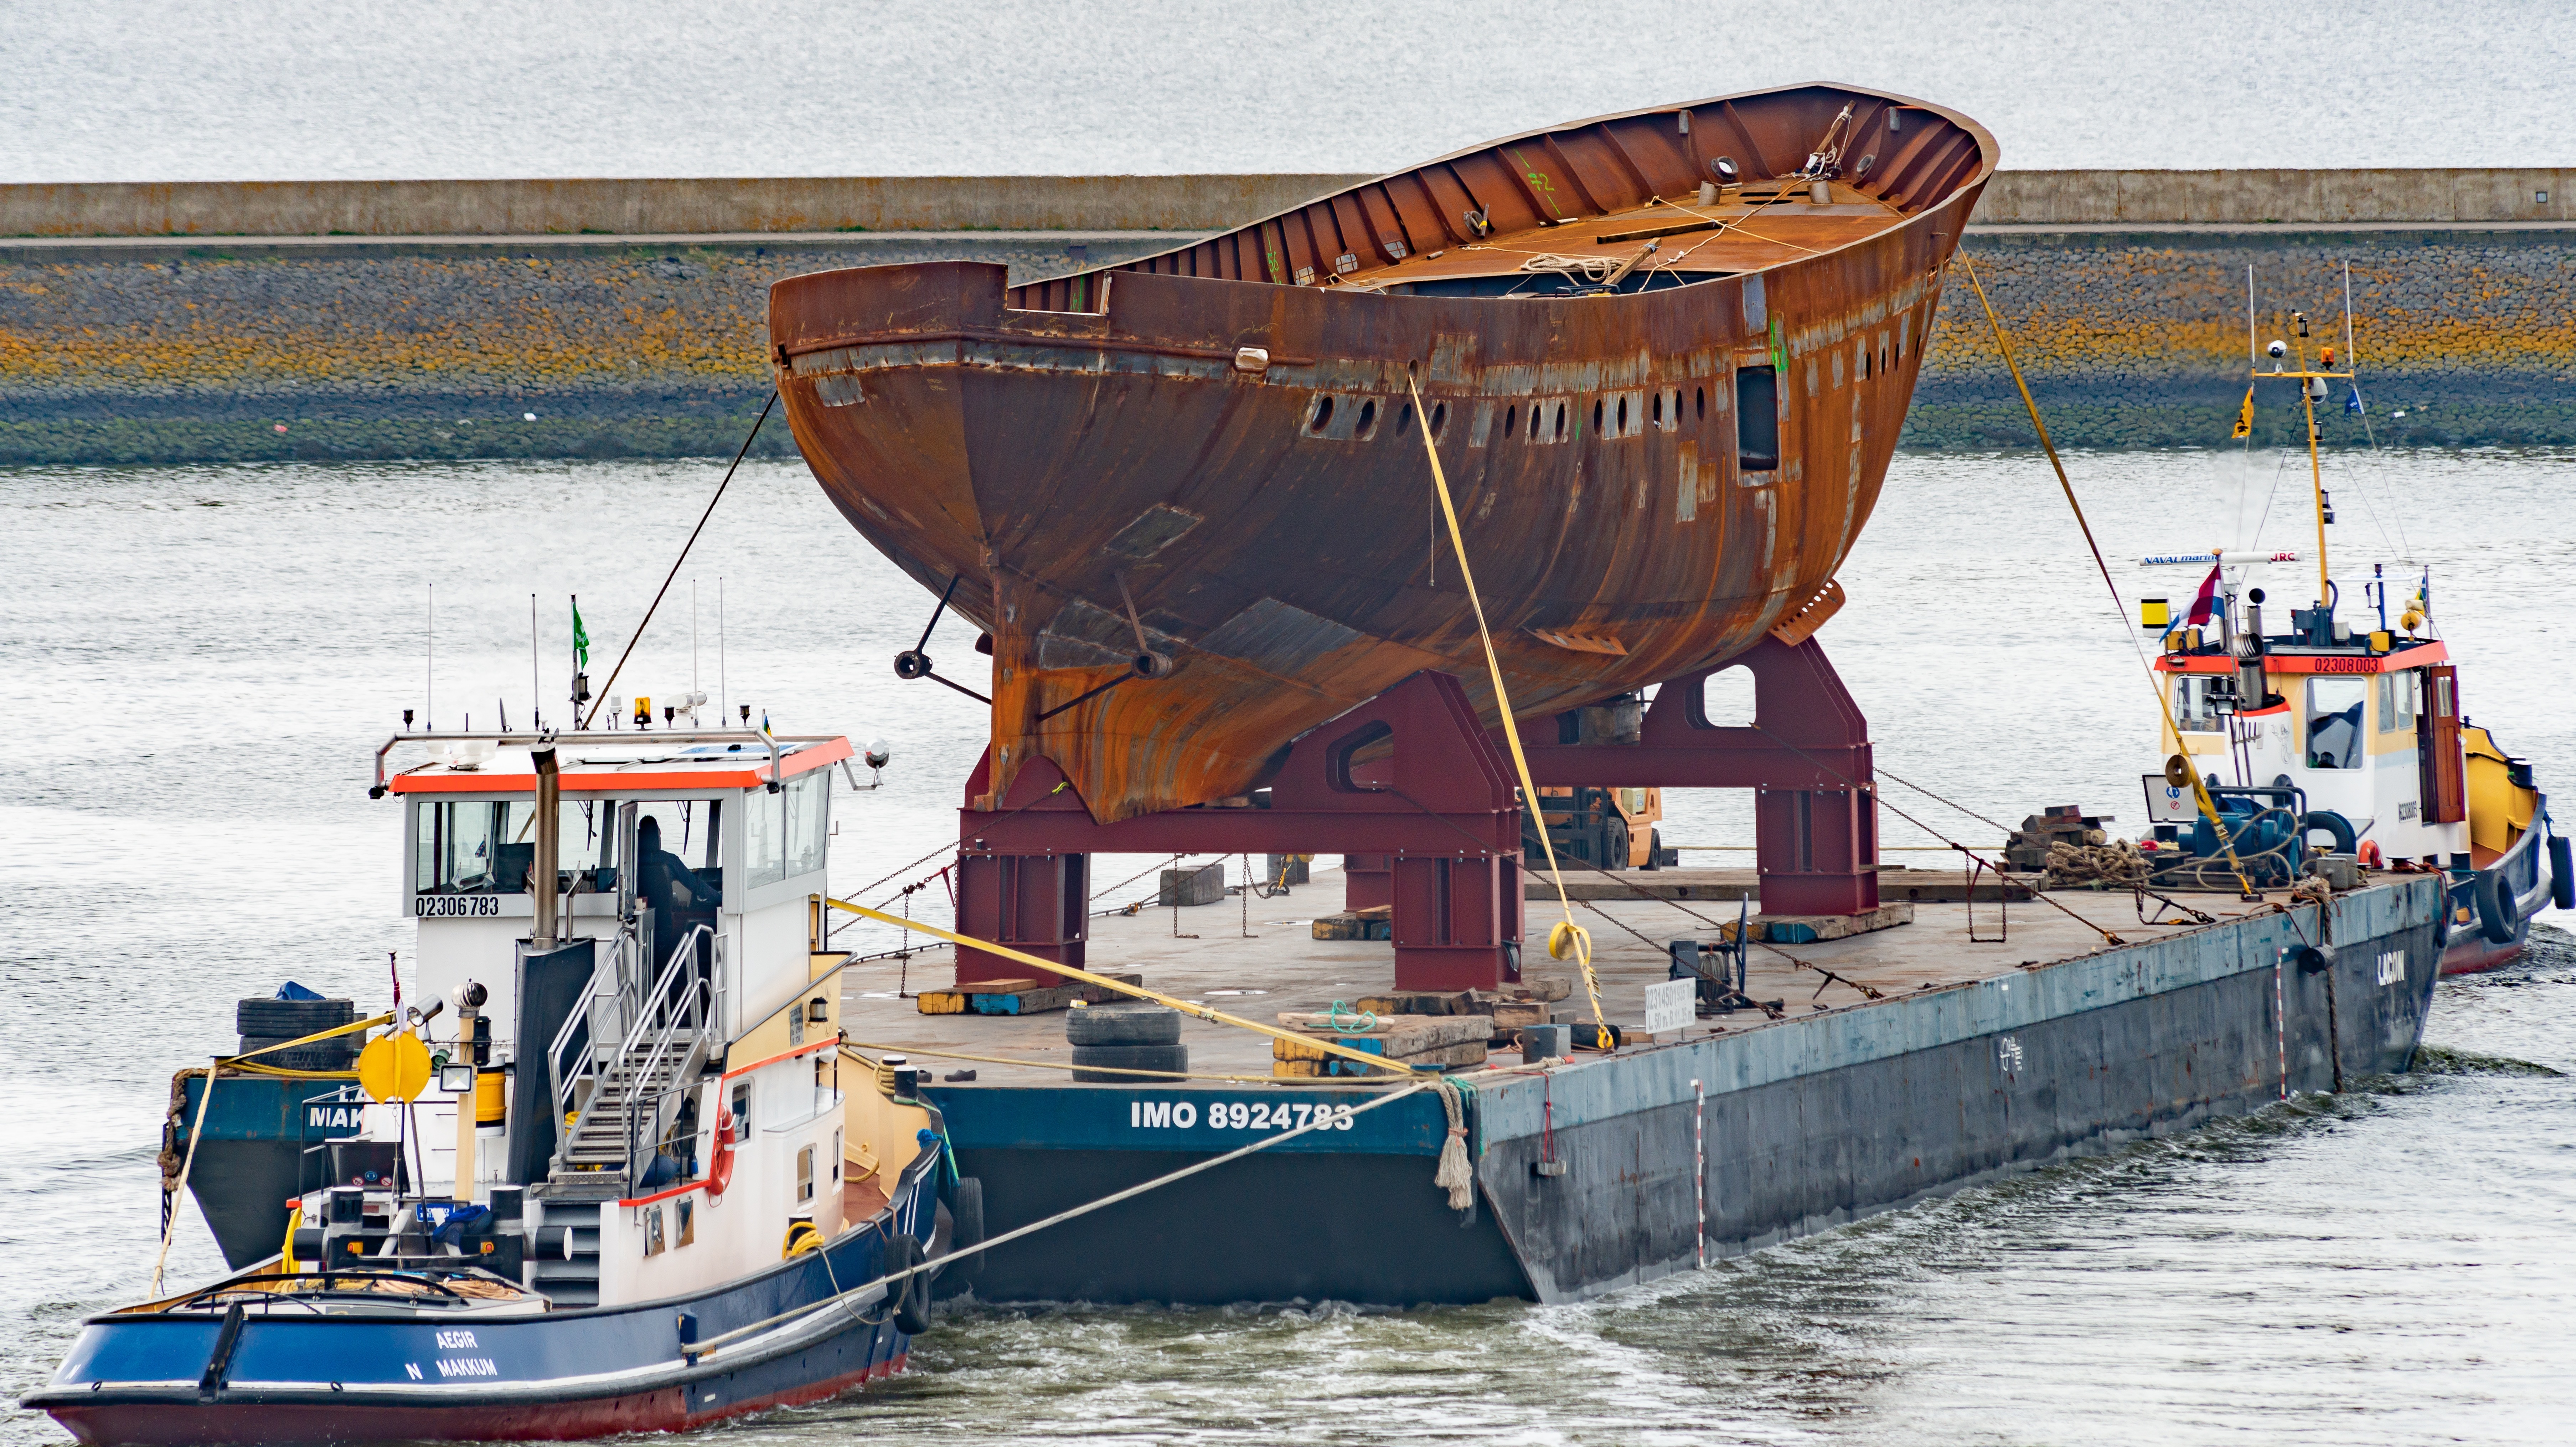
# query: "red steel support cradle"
[1422,804]
[1407,775]
[1806,756]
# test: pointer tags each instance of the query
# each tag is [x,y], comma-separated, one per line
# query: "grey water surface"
[167,90]
[202,661]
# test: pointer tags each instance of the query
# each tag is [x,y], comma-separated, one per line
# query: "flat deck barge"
[1980,1057]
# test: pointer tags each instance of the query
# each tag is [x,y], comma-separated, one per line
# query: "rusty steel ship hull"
[1664,358]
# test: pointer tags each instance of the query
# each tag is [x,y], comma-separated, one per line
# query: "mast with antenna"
[429,683]
[2312,384]
[536,685]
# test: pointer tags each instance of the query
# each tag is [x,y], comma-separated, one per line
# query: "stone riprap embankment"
[2139,339]
[222,356]
[2132,331]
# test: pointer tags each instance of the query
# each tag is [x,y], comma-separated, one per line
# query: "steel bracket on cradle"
[1408,774]
[1807,757]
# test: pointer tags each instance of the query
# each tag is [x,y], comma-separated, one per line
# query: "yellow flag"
[2245,415]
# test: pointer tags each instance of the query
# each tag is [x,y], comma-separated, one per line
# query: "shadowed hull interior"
[1647,479]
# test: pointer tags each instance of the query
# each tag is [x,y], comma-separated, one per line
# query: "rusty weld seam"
[1041,339]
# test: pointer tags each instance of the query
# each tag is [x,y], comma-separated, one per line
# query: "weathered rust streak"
[1017,447]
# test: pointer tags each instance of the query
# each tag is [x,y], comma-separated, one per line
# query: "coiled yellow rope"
[1565,935]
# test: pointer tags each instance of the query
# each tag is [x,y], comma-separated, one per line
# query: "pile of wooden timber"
[1406,1042]
[1415,1029]
[1377,922]
[1020,997]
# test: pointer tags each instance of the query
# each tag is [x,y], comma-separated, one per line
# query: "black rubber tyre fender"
[2496,919]
[290,1019]
[1124,1025]
[2562,874]
[968,1208]
[303,1057]
[341,1048]
[1126,1057]
[911,1295]
[2335,825]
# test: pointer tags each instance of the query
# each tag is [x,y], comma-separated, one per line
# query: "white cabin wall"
[746,1230]
[770,948]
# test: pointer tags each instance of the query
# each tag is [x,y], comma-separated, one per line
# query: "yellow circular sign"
[394,1067]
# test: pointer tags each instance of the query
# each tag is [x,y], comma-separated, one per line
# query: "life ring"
[2370,855]
[720,1165]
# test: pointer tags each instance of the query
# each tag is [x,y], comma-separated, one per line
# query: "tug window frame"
[2401,696]
[451,833]
[2324,690]
[2194,708]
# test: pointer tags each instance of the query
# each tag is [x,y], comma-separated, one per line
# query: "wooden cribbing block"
[1019,997]
[1377,922]
[1396,1037]
[1415,1002]
[1470,1052]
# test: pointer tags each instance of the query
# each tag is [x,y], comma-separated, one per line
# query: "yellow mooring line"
[1186,1007]
[1567,935]
[2119,606]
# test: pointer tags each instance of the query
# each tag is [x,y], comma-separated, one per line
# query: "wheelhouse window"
[679,865]
[789,830]
[2195,708]
[489,846]
[2334,722]
[1757,419]
[2398,699]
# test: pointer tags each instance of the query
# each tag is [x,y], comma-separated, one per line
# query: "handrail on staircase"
[582,1020]
[686,1012]
[674,995]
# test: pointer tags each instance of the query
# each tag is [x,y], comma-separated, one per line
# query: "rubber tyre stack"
[1123,1025]
[264,1023]
[1135,1037]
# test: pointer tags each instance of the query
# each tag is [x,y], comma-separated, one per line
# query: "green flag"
[580,640]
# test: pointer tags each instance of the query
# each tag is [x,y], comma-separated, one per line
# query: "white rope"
[1454,1175]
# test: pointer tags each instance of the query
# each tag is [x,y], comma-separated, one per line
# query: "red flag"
[2204,607]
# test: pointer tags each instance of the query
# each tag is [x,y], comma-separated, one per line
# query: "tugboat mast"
[2312,385]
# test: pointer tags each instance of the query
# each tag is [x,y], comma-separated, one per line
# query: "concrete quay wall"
[701,205]
[653,207]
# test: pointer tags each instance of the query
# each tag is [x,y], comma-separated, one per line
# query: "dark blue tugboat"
[618,1187]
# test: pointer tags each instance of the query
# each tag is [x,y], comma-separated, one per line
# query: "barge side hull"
[1808,1124]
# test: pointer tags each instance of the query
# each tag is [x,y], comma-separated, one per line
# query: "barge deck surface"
[1282,967]
[1980,1060]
